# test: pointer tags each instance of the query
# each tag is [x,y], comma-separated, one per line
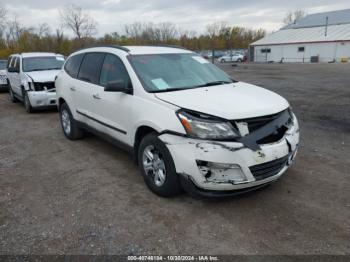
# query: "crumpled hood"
[43,76]
[232,101]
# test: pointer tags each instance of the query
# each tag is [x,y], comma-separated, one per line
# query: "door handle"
[96,96]
[73,89]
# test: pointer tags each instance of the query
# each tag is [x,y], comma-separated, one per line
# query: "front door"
[14,76]
[113,109]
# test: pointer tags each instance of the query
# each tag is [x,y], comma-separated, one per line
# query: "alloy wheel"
[66,121]
[154,165]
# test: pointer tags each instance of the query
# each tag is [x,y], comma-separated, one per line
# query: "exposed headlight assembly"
[206,127]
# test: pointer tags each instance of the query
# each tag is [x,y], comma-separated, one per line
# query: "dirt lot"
[87,197]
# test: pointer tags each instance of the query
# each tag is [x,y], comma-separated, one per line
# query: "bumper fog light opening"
[221,173]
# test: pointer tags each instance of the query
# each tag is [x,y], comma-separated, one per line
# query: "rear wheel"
[239,60]
[69,125]
[157,167]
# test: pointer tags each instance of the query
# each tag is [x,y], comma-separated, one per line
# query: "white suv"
[3,75]
[189,125]
[31,78]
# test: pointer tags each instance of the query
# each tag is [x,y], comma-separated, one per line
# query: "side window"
[9,62]
[16,65]
[73,64]
[91,67]
[113,70]
[13,62]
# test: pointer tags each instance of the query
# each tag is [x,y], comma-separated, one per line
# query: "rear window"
[91,67]
[73,64]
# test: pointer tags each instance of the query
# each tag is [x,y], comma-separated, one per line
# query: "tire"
[26,102]
[69,125]
[13,99]
[166,183]
[239,60]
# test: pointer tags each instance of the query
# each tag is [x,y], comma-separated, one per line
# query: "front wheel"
[239,60]
[69,125]
[157,167]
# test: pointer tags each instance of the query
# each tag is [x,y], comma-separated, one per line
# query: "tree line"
[16,37]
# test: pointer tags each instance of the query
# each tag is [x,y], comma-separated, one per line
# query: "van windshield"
[172,72]
[42,63]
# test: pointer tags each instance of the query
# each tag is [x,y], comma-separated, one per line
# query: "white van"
[189,125]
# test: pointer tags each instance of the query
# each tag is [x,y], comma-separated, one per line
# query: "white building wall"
[327,52]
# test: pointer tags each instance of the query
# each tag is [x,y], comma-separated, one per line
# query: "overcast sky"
[112,15]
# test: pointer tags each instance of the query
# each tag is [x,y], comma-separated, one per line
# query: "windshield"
[42,63]
[3,64]
[170,72]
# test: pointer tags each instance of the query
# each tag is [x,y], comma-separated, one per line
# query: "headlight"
[206,127]
[31,86]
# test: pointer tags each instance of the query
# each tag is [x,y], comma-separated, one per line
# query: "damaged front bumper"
[45,98]
[226,168]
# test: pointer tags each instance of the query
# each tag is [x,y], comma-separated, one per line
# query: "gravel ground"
[88,197]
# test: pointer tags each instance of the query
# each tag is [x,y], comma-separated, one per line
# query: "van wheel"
[239,60]
[69,125]
[27,104]
[157,167]
[13,99]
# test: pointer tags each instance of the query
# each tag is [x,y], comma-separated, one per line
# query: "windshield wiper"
[171,89]
[215,83]
[46,69]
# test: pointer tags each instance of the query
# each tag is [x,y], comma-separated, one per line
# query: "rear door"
[69,86]
[89,75]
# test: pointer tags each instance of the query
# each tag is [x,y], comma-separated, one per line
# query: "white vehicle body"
[3,75]
[206,166]
[34,85]
[234,58]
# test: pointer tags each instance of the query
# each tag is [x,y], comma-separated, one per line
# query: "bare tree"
[14,31]
[134,31]
[3,17]
[167,31]
[214,31]
[293,16]
[43,30]
[80,23]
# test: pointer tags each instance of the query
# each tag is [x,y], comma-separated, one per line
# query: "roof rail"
[111,46]
[173,46]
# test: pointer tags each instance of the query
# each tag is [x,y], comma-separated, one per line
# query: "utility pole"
[326,29]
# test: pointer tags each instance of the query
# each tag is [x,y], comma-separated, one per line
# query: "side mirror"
[118,86]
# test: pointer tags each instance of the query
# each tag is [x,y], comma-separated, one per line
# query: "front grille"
[3,77]
[44,86]
[268,169]
[258,122]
